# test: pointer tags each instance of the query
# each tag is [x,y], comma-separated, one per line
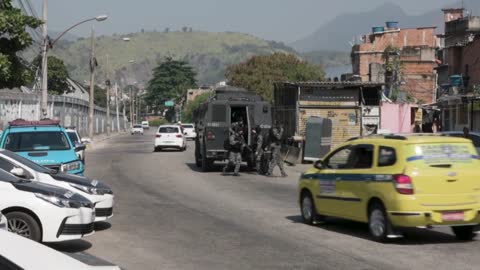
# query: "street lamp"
[46,46]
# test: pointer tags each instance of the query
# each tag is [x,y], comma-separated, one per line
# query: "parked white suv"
[42,212]
[95,191]
[170,136]
[136,129]
[189,131]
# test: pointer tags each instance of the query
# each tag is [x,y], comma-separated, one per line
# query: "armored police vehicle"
[227,107]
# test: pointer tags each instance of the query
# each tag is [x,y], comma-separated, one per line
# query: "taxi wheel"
[24,225]
[309,212]
[464,233]
[378,223]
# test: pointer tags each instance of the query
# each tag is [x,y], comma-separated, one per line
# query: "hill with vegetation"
[133,61]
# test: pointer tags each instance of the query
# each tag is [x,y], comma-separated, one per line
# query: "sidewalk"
[100,140]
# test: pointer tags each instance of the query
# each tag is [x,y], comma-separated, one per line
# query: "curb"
[99,139]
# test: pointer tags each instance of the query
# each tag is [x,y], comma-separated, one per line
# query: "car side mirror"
[80,147]
[319,164]
[185,133]
[19,172]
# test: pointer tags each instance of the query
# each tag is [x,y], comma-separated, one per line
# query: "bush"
[157,122]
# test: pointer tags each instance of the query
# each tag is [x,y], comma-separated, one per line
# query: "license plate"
[453,216]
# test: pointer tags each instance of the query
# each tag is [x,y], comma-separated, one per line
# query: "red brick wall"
[418,75]
[471,57]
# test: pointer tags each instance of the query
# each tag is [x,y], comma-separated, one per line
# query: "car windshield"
[137,126]
[73,136]
[187,126]
[32,165]
[168,130]
[36,141]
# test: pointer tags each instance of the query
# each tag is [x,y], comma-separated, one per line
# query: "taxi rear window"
[441,153]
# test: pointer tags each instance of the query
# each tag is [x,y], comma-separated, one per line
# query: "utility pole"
[123,109]
[107,84]
[92,86]
[116,107]
[44,100]
[131,106]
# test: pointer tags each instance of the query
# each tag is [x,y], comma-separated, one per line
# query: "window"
[73,137]
[361,157]
[168,130]
[219,113]
[386,156]
[339,159]
[187,126]
[475,139]
[36,141]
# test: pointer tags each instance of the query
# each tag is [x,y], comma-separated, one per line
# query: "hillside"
[209,54]
[336,34]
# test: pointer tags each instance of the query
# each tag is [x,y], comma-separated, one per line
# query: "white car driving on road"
[42,212]
[145,125]
[189,131]
[170,136]
[17,253]
[136,129]
[95,191]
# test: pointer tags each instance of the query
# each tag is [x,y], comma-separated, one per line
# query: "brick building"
[353,107]
[413,48]
[459,73]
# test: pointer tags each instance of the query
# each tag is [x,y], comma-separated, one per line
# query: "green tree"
[57,75]
[170,81]
[13,39]
[99,95]
[187,114]
[260,72]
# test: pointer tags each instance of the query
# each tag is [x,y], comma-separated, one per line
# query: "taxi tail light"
[403,184]
[158,136]
[179,136]
[210,136]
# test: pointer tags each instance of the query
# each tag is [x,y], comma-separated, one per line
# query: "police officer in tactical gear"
[258,148]
[237,143]
[275,148]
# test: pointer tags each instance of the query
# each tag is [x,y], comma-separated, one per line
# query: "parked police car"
[44,142]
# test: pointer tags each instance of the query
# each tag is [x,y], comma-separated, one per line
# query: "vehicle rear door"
[444,175]
[216,130]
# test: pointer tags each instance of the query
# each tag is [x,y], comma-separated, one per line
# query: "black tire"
[24,225]
[464,233]
[308,210]
[378,224]
[198,161]
[206,163]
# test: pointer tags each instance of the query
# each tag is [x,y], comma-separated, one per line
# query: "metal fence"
[70,111]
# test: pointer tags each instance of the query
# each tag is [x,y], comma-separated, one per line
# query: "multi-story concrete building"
[459,72]
[402,58]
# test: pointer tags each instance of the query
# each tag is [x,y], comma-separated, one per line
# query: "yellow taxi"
[396,181]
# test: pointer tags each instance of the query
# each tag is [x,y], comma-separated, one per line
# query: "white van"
[145,125]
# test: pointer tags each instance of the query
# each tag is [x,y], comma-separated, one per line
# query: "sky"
[280,20]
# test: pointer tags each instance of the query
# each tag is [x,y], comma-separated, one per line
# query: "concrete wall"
[345,122]
[70,111]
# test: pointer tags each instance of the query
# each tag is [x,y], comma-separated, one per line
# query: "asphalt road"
[169,215]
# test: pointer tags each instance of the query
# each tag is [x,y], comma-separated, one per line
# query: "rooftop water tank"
[378,29]
[393,25]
